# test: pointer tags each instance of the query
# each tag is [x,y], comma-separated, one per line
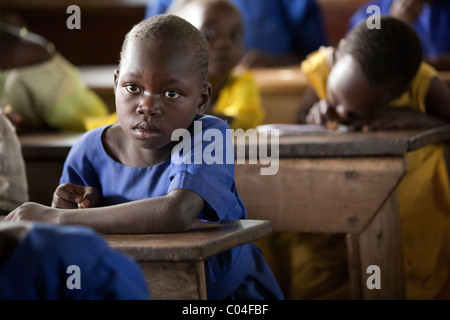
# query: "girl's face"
[222,27]
[351,95]
[157,91]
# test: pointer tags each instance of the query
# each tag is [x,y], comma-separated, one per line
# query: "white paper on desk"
[286,129]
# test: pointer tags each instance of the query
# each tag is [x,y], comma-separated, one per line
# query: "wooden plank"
[381,241]
[338,195]
[183,280]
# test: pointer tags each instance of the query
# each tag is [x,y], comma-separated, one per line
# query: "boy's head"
[373,67]
[221,23]
[170,29]
[161,83]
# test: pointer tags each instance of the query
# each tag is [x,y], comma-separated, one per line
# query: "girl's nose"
[149,105]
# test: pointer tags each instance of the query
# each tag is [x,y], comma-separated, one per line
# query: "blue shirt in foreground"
[37,269]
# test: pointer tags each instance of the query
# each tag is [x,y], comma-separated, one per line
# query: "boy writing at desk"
[123,174]
[376,80]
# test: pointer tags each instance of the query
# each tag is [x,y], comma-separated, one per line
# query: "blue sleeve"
[213,176]
[155,7]
[306,25]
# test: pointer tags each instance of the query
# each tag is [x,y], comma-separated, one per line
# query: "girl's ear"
[116,78]
[204,99]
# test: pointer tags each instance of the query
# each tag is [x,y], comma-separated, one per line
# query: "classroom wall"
[104,24]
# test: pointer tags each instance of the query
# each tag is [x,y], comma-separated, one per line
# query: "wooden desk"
[173,264]
[342,184]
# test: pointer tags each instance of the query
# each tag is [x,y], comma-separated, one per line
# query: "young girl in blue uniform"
[123,175]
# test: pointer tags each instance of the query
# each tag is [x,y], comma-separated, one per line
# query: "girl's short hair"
[391,54]
[170,28]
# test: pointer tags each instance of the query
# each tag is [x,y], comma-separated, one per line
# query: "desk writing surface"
[200,242]
[358,144]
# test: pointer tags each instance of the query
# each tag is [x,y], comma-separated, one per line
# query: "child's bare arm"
[437,101]
[174,212]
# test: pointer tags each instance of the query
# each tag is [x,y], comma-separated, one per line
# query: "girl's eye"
[172,94]
[209,32]
[132,88]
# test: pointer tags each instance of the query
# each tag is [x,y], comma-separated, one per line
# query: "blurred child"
[40,261]
[376,80]
[13,179]
[235,95]
[124,176]
[44,90]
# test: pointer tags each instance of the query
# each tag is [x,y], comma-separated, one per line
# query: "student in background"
[376,80]
[276,32]
[235,93]
[123,178]
[429,18]
[13,179]
[44,90]
[40,261]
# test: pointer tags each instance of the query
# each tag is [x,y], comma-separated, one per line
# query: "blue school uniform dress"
[432,25]
[241,273]
[56,262]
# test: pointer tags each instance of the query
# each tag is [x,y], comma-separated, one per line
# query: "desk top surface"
[362,144]
[202,241]
[299,145]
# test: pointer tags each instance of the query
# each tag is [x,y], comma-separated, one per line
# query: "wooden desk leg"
[184,280]
[378,244]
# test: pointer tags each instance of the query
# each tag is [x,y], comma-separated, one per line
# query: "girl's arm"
[437,101]
[174,212]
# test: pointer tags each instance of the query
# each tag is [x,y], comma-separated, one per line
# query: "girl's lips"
[145,130]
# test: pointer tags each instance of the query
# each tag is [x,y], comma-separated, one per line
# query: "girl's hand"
[71,196]
[34,212]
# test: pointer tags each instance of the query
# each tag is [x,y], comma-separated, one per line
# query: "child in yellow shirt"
[376,80]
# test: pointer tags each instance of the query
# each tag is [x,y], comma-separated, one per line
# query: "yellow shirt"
[424,193]
[241,99]
[50,94]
